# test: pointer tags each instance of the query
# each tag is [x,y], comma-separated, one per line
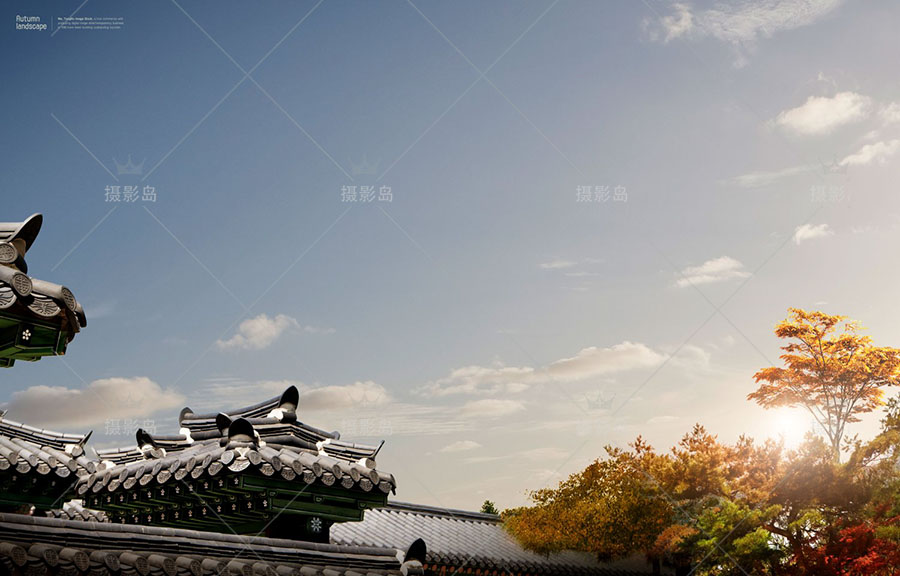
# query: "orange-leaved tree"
[829,369]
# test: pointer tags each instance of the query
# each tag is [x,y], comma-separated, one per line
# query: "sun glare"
[791,425]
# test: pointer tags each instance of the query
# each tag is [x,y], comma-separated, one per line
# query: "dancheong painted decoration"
[256,468]
[37,318]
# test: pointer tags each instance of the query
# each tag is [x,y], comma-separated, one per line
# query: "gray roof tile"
[462,540]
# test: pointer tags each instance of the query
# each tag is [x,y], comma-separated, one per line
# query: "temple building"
[37,318]
[253,491]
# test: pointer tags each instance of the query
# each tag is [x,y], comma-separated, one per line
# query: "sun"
[791,425]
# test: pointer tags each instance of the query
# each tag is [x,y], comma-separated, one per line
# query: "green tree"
[489,507]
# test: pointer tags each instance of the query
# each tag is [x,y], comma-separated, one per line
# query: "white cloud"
[875,153]
[890,113]
[715,270]
[461,446]
[558,264]
[100,401]
[261,332]
[358,394]
[740,22]
[811,232]
[595,361]
[491,408]
[821,114]
[482,380]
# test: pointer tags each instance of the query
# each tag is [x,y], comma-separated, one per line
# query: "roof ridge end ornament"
[241,430]
[184,412]
[415,554]
[144,439]
[290,399]
[223,423]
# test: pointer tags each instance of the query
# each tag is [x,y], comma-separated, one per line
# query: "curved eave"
[39,324]
[27,231]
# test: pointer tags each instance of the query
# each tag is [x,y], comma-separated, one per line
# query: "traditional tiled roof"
[248,468]
[275,421]
[75,510]
[462,542]
[38,466]
[37,318]
[35,545]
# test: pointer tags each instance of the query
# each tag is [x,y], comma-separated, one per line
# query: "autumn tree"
[709,508]
[829,369]
[641,501]
[613,508]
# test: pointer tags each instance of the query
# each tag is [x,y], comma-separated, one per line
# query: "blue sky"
[493,329]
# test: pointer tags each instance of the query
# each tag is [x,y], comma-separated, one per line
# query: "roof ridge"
[20,429]
[442,511]
[129,531]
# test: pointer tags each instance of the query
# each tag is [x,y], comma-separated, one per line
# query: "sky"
[499,236]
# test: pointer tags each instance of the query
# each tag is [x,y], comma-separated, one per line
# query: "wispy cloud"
[588,362]
[366,393]
[100,310]
[491,408]
[461,446]
[719,269]
[762,179]
[101,401]
[740,23]
[874,153]
[225,392]
[822,114]
[557,264]
[811,232]
[543,454]
[262,331]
